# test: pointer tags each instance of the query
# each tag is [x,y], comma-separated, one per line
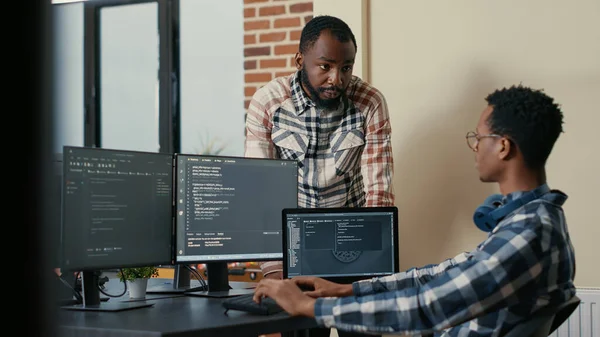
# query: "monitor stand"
[218,283]
[180,284]
[92,301]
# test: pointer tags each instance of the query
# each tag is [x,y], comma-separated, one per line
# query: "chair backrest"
[546,320]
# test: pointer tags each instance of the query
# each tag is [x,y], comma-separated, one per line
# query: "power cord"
[199,276]
[76,293]
[103,280]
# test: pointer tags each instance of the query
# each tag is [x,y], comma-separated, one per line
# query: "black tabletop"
[176,315]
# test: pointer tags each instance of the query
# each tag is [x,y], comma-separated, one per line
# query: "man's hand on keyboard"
[287,295]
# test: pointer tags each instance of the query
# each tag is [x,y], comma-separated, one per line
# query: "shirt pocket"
[347,148]
[290,145]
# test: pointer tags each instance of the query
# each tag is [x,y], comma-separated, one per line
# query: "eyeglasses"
[473,139]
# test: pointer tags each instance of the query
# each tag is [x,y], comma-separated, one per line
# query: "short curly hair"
[312,31]
[529,118]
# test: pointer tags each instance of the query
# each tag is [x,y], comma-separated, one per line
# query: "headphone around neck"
[492,211]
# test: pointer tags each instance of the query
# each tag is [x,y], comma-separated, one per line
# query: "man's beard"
[327,104]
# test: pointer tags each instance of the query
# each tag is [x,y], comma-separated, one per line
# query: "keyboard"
[267,306]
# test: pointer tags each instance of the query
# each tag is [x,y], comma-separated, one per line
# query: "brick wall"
[271,34]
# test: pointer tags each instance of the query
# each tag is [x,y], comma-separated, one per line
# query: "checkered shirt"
[344,156]
[526,263]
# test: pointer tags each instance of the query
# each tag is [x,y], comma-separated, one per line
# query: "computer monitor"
[228,209]
[342,245]
[117,213]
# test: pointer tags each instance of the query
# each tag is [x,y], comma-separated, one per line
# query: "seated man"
[527,262]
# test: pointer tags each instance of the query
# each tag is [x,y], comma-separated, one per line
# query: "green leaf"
[129,274]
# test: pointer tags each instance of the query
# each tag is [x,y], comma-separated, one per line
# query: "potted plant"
[137,279]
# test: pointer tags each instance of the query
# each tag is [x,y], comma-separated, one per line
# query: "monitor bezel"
[176,256]
[340,210]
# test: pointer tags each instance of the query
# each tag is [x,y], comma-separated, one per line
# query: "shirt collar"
[539,191]
[301,101]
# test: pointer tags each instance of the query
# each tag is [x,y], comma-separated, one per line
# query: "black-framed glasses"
[473,139]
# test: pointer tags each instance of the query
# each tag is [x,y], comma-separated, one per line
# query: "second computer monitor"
[228,209]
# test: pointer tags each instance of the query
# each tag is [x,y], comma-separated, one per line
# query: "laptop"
[342,245]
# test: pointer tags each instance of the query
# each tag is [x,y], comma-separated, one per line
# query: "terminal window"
[229,208]
[349,244]
[117,208]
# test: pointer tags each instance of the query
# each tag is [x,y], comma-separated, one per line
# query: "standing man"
[335,125]
[526,263]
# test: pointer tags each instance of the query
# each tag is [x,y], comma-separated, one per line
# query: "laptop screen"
[340,244]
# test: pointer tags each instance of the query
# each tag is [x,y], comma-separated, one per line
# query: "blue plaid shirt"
[526,263]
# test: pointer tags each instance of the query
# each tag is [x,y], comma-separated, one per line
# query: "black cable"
[103,280]
[77,295]
[199,276]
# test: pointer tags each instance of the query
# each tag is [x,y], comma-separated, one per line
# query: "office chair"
[546,320]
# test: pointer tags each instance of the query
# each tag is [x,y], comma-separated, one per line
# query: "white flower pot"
[137,288]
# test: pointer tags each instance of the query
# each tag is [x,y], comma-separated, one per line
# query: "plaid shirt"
[526,263]
[344,156]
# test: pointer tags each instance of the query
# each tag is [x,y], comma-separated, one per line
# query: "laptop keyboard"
[267,306]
